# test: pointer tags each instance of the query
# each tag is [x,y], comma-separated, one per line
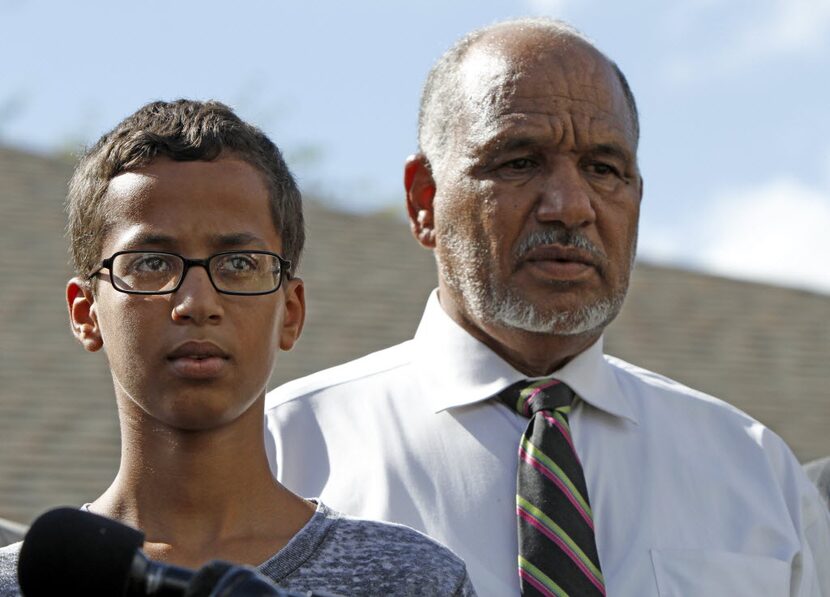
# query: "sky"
[733,97]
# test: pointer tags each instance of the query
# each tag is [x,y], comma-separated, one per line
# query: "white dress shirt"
[690,495]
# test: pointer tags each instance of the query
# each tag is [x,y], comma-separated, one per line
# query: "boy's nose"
[197,300]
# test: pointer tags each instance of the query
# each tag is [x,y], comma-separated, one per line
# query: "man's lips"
[561,262]
[198,360]
[560,253]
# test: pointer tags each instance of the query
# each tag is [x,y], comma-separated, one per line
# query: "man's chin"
[560,322]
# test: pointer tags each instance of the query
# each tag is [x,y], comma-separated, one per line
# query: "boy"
[185,228]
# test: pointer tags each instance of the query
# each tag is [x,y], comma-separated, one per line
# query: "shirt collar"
[466,371]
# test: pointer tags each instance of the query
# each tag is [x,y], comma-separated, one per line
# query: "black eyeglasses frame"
[285,271]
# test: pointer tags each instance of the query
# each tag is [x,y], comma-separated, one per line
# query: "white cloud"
[773,28]
[778,232]
[791,26]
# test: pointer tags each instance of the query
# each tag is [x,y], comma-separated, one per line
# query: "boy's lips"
[198,360]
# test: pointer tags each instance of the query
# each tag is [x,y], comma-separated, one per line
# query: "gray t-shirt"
[342,555]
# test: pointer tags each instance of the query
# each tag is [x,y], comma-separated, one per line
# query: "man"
[527,190]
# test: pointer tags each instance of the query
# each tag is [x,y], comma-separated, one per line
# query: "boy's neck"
[200,495]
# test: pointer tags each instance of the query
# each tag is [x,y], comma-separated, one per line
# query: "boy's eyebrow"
[149,238]
[236,239]
[219,241]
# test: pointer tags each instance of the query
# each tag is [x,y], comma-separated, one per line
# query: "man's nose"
[566,197]
[196,300]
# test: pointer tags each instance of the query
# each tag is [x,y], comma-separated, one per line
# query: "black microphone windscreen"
[206,578]
[69,551]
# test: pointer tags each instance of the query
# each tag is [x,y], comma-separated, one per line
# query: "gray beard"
[488,301]
[513,311]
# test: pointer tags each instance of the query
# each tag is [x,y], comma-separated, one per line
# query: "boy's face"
[193,359]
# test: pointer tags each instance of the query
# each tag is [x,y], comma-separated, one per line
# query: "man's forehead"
[501,82]
[569,69]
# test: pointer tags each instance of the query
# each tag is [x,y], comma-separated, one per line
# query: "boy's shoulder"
[355,556]
[8,570]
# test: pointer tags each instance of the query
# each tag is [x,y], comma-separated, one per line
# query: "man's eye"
[603,169]
[518,168]
[519,164]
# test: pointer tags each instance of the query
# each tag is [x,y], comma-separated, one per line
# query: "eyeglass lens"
[161,272]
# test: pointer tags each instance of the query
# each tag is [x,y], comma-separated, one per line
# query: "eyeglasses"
[231,272]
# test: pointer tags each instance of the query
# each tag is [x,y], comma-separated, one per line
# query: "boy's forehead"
[191,199]
[127,193]
[168,181]
[226,171]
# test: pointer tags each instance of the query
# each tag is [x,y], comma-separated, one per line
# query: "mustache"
[560,236]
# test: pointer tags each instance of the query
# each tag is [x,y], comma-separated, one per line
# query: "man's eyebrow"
[611,149]
[507,143]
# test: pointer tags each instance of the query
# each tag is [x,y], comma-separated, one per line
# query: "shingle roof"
[764,348]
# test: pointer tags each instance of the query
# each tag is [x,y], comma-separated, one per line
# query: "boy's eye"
[151,264]
[238,263]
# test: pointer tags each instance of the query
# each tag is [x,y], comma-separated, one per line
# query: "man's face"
[193,359]
[537,199]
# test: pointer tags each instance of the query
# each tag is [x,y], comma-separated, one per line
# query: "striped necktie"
[557,550]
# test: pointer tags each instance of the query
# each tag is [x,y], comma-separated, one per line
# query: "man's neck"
[535,354]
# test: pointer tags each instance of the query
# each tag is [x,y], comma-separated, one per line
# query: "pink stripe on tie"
[535,583]
[556,481]
[535,391]
[563,546]
[552,420]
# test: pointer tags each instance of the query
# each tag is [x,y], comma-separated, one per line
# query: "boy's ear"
[420,193]
[292,323]
[83,317]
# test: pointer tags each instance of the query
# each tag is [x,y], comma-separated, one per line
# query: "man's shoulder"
[370,368]
[679,417]
[650,386]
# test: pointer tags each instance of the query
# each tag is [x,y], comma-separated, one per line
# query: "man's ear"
[420,193]
[83,318]
[294,318]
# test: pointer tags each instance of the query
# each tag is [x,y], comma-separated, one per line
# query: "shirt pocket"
[698,573]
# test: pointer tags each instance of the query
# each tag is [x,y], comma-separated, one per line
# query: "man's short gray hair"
[442,99]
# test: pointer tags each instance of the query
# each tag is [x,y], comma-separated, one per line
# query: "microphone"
[69,549]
